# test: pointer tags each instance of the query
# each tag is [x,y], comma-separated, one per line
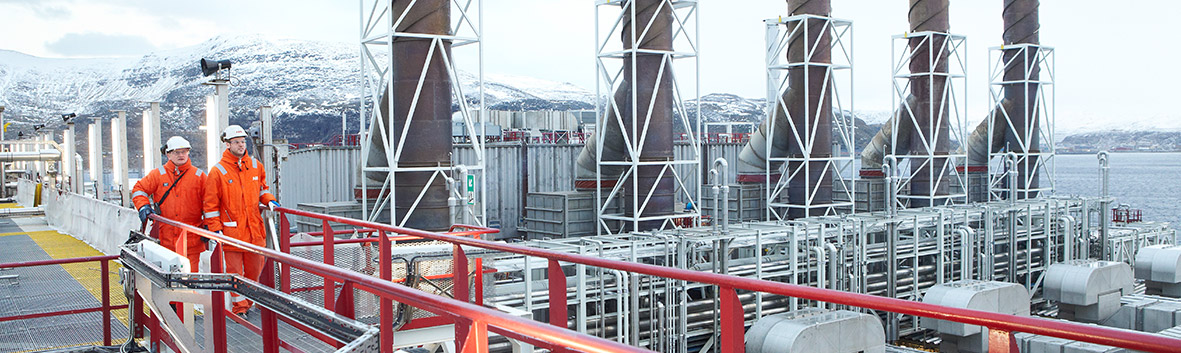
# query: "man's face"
[237,146]
[179,156]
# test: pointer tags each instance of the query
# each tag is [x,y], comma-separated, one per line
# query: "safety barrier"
[472,322]
[105,306]
[1001,326]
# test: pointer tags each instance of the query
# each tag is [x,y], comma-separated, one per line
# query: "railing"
[732,323]
[105,301]
[472,322]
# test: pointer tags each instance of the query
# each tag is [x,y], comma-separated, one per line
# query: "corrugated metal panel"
[328,174]
[319,174]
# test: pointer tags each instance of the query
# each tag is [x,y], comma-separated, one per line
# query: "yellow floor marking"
[10,205]
[13,233]
[88,274]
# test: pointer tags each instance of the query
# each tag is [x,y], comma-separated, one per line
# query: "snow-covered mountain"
[308,84]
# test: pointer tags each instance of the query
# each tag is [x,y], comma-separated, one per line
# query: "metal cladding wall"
[319,174]
[328,174]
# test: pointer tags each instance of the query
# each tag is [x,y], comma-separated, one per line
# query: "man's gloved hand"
[273,205]
[144,212]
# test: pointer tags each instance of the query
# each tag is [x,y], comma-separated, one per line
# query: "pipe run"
[720,166]
[45,155]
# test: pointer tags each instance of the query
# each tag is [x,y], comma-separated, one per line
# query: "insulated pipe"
[721,166]
[808,106]
[1067,222]
[45,155]
[1011,163]
[967,241]
[1104,203]
[646,116]
[928,83]
[428,129]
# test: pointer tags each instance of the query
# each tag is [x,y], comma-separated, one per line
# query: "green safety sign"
[471,183]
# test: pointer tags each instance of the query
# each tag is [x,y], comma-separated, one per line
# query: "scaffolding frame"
[1042,59]
[609,63]
[378,24]
[953,170]
[840,70]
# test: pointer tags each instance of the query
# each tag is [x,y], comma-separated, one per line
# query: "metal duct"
[1020,100]
[811,116]
[428,138]
[651,77]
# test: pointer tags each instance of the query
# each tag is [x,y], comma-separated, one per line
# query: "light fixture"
[66,117]
[209,67]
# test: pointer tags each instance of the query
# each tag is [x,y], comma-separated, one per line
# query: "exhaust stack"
[1019,102]
[647,121]
[809,109]
[424,134]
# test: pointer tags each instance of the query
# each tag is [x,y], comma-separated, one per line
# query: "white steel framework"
[610,59]
[378,32]
[1037,77]
[838,79]
[943,170]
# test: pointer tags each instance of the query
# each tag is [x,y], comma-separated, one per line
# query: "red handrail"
[472,321]
[105,302]
[1002,325]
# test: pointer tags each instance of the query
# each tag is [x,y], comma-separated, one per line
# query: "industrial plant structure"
[648,236]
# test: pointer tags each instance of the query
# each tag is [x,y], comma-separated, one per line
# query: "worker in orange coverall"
[234,190]
[175,191]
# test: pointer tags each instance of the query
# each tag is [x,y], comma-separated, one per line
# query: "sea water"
[1147,181]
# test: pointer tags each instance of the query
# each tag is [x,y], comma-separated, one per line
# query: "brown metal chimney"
[809,108]
[1019,100]
[652,111]
[928,64]
[1021,27]
[428,138]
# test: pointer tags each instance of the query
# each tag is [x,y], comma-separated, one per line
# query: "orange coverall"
[183,204]
[233,191]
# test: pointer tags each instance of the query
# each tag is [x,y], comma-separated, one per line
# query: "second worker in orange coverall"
[234,190]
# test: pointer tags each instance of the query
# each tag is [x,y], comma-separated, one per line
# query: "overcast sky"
[553,40]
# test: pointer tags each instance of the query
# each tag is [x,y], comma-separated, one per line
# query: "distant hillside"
[1122,141]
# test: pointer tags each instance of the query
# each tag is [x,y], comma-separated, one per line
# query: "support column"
[151,135]
[119,157]
[96,158]
[67,170]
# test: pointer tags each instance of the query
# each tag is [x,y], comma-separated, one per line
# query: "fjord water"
[1147,181]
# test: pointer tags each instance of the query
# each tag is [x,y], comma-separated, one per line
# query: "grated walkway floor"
[76,286]
[52,288]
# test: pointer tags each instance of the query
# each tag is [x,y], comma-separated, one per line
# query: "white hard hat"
[176,143]
[232,131]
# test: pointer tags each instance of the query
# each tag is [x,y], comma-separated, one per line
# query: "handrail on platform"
[105,277]
[472,322]
[1001,326]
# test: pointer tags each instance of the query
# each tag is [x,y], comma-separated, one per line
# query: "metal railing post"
[1000,341]
[270,324]
[105,268]
[557,294]
[329,259]
[284,247]
[218,305]
[386,305]
[732,321]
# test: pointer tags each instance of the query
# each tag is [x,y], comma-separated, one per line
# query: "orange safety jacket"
[233,191]
[183,203]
